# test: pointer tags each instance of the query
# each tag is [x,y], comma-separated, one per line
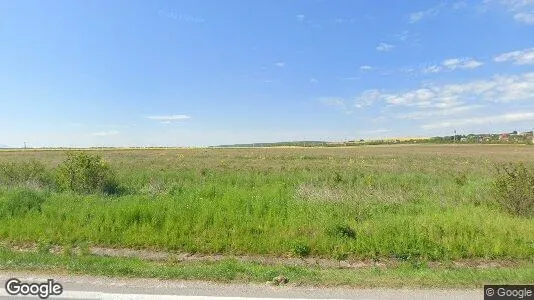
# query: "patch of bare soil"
[179,257]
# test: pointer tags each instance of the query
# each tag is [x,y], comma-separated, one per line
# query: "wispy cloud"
[300,17]
[453,64]
[384,47]
[519,57]
[525,17]
[374,131]
[366,68]
[367,98]
[345,20]
[313,80]
[169,118]
[423,14]
[403,36]
[337,102]
[280,64]
[438,112]
[522,10]
[495,119]
[459,5]
[180,17]
[350,78]
[432,69]
[461,63]
[105,133]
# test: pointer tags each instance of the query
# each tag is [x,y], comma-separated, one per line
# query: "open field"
[412,203]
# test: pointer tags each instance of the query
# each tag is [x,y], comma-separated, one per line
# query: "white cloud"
[432,69]
[367,98]
[525,17]
[106,133]
[453,64]
[522,10]
[169,118]
[300,18]
[461,63]
[496,119]
[519,57]
[420,15]
[496,89]
[366,68]
[313,80]
[384,47]
[280,64]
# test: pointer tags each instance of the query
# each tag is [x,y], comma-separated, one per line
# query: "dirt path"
[160,255]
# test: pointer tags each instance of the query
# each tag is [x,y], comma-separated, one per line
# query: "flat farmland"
[415,203]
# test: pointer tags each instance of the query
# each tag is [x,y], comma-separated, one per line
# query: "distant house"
[504,137]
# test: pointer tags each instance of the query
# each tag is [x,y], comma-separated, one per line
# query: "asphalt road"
[91,287]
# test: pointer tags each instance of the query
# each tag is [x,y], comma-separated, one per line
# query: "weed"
[514,188]
[343,231]
[22,201]
[85,173]
[31,172]
[461,178]
[301,250]
[44,246]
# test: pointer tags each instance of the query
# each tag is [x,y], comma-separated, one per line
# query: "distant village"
[526,137]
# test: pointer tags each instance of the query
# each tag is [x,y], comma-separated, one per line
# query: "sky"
[210,72]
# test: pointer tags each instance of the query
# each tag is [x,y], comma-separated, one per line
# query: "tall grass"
[325,203]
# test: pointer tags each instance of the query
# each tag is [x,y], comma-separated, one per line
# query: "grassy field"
[413,202]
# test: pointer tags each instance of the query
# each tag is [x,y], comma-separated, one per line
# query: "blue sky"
[194,73]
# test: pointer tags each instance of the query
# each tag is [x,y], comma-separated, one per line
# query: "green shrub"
[21,202]
[24,173]
[342,231]
[514,188]
[85,173]
[461,178]
[301,250]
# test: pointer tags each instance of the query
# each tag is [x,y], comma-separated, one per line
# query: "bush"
[514,188]
[25,173]
[21,202]
[461,178]
[342,231]
[301,250]
[85,173]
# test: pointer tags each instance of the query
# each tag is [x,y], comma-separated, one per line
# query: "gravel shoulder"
[154,287]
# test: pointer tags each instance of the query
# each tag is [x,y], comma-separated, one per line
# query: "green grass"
[431,204]
[405,275]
